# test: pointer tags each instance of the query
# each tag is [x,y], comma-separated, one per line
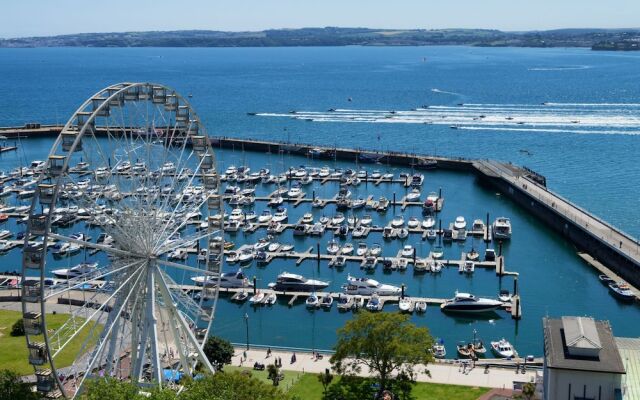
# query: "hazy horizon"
[74,17]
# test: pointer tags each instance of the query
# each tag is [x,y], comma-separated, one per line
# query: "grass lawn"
[290,377]
[309,388]
[13,350]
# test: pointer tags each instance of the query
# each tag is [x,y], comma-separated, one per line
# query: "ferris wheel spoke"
[89,277]
[183,326]
[183,267]
[96,246]
[99,308]
[107,333]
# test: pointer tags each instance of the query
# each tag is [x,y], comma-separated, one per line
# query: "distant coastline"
[596,39]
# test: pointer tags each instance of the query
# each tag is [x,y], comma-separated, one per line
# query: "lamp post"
[246,322]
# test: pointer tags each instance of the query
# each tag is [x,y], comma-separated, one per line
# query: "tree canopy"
[219,352]
[12,387]
[385,343]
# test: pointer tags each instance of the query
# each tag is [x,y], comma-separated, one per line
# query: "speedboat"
[275,201]
[240,296]
[294,282]
[317,203]
[333,247]
[366,220]
[257,298]
[502,228]
[468,303]
[428,223]
[407,251]
[403,233]
[338,219]
[502,348]
[362,249]
[468,267]
[374,303]
[504,296]
[376,250]
[370,263]
[246,256]
[389,232]
[280,215]
[357,203]
[295,192]
[460,223]
[358,232]
[413,223]
[435,266]
[404,304]
[271,299]
[345,302]
[261,244]
[82,269]
[265,216]
[232,257]
[307,218]
[421,306]
[438,349]
[432,234]
[236,214]
[478,226]
[437,252]
[326,301]
[397,221]
[312,301]
[367,287]
[338,262]
[347,249]
[414,195]
[417,180]
[178,254]
[622,291]
[402,263]
[473,255]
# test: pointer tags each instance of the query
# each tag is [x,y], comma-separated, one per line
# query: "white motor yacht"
[428,223]
[333,247]
[468,303]
[366,220]
[413,195]
[347,249]
[362,249]
[82,269]
[413,223]
[338,219]
[294,282]
[502,348]
[280,215]
[368,287]
[407,251]
[502,228]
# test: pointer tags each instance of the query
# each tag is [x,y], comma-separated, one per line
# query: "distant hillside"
[601,39]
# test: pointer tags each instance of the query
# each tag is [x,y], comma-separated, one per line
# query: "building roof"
[557,353]
[629,349]
[581,333]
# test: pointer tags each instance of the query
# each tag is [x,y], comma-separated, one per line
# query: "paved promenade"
[447,373]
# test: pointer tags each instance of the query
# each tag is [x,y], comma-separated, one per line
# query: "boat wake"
[560,68]
[435,90]
[566,118]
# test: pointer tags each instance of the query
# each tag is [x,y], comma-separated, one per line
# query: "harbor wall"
[623,265]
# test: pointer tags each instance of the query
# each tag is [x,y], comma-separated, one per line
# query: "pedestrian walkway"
[441,372]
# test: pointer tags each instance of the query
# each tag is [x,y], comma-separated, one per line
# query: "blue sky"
[52,17]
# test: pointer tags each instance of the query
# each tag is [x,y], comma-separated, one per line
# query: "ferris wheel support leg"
[172,323]
[152,329]
[188,332]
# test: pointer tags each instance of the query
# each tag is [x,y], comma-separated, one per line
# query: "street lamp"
[246,322]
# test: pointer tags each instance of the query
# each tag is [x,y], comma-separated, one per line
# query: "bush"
[18,328]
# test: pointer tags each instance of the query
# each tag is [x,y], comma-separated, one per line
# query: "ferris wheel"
[133,163]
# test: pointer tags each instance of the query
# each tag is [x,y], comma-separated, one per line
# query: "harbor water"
[593,165]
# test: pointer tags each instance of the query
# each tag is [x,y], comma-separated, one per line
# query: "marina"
[472,237]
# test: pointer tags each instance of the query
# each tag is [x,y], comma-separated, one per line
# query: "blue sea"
[580,117]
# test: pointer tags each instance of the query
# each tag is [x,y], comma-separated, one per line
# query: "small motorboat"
[473,255]
[421,306]
[347,249]
[460,223]
[370,263]
[240,296]
[357,203]
[468,267]
[504,296]
[358,232]
[312,301]
[374,303]
[271,299]
[435,266]
[413,223]
[232,257]
[403,233]
[465,350]
[333,247]
[437,252]
[307,219]
[489,255]
[265,217]
[375,250]
[502,348]
[345,302]
[432,234]
[622,291]
[326,301]
[257,298]
[397,221]
[366,220]
[338,262]
[338,219]
[362,249]
[438,349]
[404,304]
[605,280]
[413,195]
[358,302]
[407,251]
[246,256]
[402,264]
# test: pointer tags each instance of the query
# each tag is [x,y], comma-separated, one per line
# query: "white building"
[581,360]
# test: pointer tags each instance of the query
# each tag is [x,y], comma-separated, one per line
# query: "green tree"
[234,385]
[325,379]
[12,387]
[218,351]
[383,342]
[273,374]
[18,328]
[110,388]
[528,390]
